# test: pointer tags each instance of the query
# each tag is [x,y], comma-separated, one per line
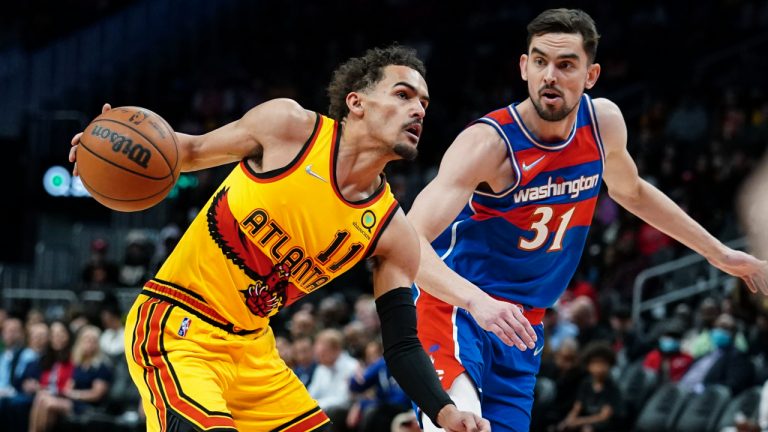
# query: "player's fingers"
[76,138]
[504,335]
[106,108]
[523,328]
[469,424]
[750,284]
[483,425]
[73,153]
[761,283]
[74,170]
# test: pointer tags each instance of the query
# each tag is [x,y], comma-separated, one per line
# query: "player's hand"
[76,142]
[451,419]
[753,271]
[505,320]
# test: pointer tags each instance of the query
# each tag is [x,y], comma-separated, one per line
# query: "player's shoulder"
[281,118]
[613,129]
[606,110]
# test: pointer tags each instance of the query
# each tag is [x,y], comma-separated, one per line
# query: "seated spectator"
[87,387]
[137,262]
[556,330]
[666,359]
[565,371]
[627,344]
[303,360]
[725,365]
[112,342]
[598,400]
[387,401]
[330,382]
[99,272]
[50,373]
[14,358]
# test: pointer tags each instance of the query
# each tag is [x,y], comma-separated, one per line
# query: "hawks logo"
[271,289]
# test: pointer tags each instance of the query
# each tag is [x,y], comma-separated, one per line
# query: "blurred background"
[689,77]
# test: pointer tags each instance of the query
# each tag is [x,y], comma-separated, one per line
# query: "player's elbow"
[628,196]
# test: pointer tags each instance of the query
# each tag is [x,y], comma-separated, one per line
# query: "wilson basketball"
[128,158]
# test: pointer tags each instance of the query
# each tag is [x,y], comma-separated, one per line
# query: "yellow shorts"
[195,375]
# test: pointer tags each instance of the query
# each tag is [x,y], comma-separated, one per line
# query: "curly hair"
[362,73]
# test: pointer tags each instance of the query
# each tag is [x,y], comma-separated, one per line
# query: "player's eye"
[402,95]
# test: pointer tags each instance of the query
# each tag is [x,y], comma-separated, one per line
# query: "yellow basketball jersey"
[266,239]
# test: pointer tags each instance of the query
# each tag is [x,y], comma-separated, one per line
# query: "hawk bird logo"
[271,290]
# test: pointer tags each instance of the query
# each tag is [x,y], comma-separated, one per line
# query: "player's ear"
[593,72]
[523,67]
[355,103]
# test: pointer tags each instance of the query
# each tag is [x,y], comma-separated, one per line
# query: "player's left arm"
[650,204]
[396,263]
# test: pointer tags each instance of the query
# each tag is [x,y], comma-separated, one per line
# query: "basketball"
[128,158]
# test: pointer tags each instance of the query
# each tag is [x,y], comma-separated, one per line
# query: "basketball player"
[508,215]
[306,201]
[753,207]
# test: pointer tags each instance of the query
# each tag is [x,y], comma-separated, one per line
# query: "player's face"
[394,109]
[558,71]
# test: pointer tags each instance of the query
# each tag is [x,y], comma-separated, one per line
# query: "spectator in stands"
[389,400]
[330,381]
[86,388]
[598,400]
[365,313]
[303,360]
[14,359]
[50,373]
[726,365]
[698,342]
[669,363]
[285,350]
[302,325]
[626,343]
[38,337]
[135,269]
[565,371]
[556,330]
[583,314]
[112,341]
[99,272]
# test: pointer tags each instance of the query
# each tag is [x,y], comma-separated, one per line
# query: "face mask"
[668,344]
[721,338]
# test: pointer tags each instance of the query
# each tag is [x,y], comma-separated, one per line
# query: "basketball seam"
[122,167]
[167,163]
[91,189]
[171,132]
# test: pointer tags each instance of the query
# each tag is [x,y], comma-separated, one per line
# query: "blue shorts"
[504,376]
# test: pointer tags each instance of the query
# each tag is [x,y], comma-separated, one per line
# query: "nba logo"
[184,326]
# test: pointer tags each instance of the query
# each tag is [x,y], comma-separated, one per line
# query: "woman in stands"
[87,386]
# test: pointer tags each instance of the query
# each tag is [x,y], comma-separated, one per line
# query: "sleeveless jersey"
[265,240]
[524,243]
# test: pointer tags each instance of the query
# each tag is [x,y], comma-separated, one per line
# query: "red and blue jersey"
[523,244]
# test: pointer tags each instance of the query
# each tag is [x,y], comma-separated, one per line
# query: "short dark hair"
[361,73]
[598,351]
[566,21]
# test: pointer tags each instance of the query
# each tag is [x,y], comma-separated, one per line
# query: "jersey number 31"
[541,230]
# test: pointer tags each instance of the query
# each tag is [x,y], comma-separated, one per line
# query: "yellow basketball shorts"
[197,376]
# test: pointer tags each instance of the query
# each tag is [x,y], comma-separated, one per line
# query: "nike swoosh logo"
[309,171]
[538,350]
[528,167]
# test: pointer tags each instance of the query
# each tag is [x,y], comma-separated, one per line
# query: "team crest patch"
[184,328]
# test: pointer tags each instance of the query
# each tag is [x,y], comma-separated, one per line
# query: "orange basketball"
[128,158]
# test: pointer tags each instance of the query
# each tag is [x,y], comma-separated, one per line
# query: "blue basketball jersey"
[523,244]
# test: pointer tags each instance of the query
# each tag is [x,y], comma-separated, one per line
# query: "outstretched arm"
[278,122]
[475,156]
[650,204]
[396,260]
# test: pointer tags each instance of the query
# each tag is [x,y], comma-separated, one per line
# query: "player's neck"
[543,130]
[359,163]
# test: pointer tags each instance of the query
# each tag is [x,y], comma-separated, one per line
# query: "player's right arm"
[278,123]
[476,156]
